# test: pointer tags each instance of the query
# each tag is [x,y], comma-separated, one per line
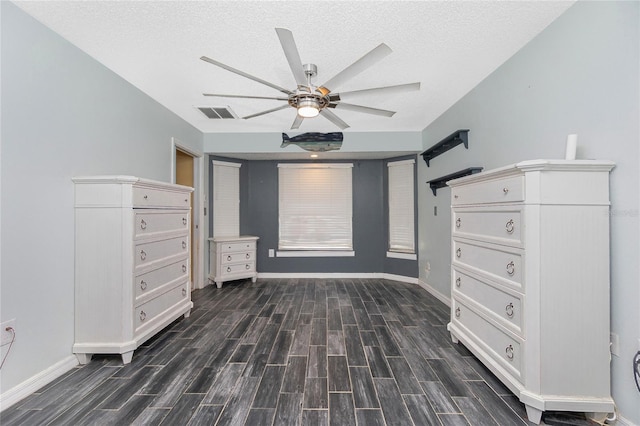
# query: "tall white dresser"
[530,280]
[131,262]
[232,258]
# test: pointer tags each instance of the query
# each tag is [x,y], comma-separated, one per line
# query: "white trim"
[315,253]
[399,255]
[621,421]
[338,275]
[315,165]
[401,162]
[225,163]
[435,293]
[32,384]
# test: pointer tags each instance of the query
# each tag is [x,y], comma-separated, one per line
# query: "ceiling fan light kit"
[311,101]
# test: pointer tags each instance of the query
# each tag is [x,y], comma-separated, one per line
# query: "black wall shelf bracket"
[451,141]
[441,182]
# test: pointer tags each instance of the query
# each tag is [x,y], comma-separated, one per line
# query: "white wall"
[580,75]
[63,114]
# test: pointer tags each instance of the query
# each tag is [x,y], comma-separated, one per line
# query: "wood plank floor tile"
[341,410]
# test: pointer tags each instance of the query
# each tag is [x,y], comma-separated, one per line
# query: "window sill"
[399,255]
[315,253]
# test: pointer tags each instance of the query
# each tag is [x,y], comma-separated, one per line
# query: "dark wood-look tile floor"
[289,352]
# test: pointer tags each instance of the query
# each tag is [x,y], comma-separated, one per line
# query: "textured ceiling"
[447,46]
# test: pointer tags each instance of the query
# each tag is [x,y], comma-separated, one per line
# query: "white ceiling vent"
[218,113]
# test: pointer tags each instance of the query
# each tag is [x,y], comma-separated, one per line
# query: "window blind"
[315,206]
[226,199]
[401,206]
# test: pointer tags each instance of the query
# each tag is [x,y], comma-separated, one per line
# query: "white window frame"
[226,198]
[401,208]
[333,194]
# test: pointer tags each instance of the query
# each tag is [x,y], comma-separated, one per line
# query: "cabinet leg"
[454,339]
[219,284]
[254,279]
[84,358]
[127,357]
[187,314]
[534,414]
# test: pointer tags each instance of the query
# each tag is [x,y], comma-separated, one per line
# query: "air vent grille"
[218,113]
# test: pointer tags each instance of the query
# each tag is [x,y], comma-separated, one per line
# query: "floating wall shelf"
[441,182]
[451,141]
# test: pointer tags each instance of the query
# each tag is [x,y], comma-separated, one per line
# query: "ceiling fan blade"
[333,118]
[244,74]
[297,122]
[218,95]
[360,108]
[386,90]
[293,57]
[267,111]
[375,55]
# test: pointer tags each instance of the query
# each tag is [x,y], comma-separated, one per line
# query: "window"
[315,207]
[226,199]
[401,208]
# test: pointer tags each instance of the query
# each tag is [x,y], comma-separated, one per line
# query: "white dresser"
[232,258]
[131,262]
[530,280]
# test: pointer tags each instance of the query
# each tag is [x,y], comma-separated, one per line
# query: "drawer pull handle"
[184,291]
[248,256]
[247,267]
[143,315]
[145,197]
[186,200]
[228,269]
[184,268]
[509,310]
[458,222]
[455,196]
[458,280]
[505,190]
[459,252]
[509,351]
[143,255]
[510,226]
[143,285]
[143,224]
[229,258]
[184,220]
[511,268]
[457,312]
[184,245]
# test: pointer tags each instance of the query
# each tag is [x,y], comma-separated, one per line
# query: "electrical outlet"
[6,336]
[615,344]
[272,252]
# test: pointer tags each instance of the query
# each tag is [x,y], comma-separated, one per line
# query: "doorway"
[184,176]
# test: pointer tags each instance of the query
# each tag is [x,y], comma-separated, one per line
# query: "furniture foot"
[84,358]
[219,284]
[127,357]
[534,414]
[254,279]
[187,314]
[454,339]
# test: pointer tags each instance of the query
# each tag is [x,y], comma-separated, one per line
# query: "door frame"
[197,245]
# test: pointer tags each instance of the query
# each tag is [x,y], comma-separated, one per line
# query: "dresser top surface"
[128,180]
[235,238]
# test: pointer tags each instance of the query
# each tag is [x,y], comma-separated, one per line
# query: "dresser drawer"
[148,197]
[154,222]
[147,312]
[241,246]
[146,284]
[238,268]
[148,253]
[503,226]
[504,306]
[505,190]
[238,257]
[505,349]
[495,260]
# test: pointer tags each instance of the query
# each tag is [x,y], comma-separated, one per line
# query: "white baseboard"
[435,293]
[621,421]
[337,275]
[29,386]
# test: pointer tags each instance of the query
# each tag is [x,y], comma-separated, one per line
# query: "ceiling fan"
[310,100]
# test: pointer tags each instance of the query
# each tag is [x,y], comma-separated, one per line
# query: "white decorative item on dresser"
[530,280]
[131,262]
[232,258]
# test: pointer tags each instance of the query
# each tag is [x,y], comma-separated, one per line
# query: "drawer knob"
[511,268]
[458,280]
[247,267]
[457,312]
[143,224]
[143,255]
[248,256]
[143,285]
[143,315]
[184,220]
[455,196]
[228,269]
[458,222]
[184,291]
[145,197]
[509,310]
[510,226]
[459,252]
[184,245]
[505,190]
[186,200]
[229,258]
[509,351]
[184,268]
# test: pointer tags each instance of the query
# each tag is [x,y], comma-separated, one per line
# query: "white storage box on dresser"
[530,280]
[131,262]
[232,258]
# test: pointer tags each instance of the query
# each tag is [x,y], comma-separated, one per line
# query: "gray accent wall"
[580,75]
